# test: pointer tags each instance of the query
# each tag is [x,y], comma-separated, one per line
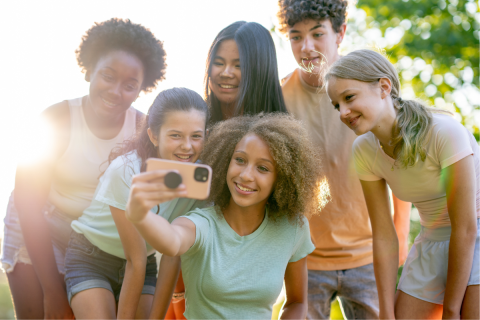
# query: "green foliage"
[435,46]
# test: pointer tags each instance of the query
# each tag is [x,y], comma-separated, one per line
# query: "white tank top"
[78,170]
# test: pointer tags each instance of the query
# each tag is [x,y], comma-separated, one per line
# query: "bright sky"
[38,64]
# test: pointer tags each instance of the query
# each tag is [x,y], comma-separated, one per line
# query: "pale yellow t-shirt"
[341,233]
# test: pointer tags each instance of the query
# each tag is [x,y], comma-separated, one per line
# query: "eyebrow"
[317,26]
[218,57]
[173,130]
[260,158]
[131,78]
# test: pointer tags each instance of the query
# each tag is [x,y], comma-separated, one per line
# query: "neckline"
[386,156]
[309,88]
[229,231]
[94,135]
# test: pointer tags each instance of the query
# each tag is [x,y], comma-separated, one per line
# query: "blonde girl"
[429,159]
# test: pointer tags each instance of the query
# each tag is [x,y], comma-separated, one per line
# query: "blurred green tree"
[434,45]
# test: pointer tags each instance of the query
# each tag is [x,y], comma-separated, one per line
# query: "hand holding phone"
[196,177]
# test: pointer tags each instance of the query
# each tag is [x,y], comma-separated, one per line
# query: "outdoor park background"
[433,43]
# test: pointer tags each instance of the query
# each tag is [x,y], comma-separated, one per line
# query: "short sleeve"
[114,186]
[451,141]
[202,231]
[362,166]
[303,242]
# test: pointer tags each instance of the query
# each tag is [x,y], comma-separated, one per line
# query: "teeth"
[244,189]
[183,157]
[227,86]
[109,103]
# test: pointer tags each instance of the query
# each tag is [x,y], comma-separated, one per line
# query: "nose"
[344,112]
[247,173]
[227,72]
[307,45]
[186,145]
[115,89]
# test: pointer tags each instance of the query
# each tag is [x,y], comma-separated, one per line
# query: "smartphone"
[196,177]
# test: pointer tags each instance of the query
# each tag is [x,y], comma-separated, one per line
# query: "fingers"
[151,175]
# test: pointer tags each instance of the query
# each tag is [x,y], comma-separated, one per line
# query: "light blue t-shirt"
[97,224]
[228,276]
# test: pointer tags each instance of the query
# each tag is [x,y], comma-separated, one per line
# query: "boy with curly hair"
[341,265]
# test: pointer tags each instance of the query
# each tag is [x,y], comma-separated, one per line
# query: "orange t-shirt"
[341,233]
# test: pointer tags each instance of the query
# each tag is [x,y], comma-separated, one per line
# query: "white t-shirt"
[421,184]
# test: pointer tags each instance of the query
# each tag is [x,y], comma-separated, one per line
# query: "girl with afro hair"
[236,254]
[120,59]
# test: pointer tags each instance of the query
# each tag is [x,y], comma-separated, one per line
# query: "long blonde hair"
[411,130]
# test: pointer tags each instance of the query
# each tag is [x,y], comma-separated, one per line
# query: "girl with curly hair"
[120,59]
[242,73]
[107,260]
[428,158]
[236,254]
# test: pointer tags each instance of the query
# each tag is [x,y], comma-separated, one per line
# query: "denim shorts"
[424,274]
[89,267]
[13,245]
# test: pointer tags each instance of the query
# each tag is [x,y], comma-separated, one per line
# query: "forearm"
[159,233]
[295,310]
[131,289]
[460,260]
[401,220]
[167,278]
[385,262]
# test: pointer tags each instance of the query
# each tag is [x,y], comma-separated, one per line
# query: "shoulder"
[286,79]
[365,143]
[58,117]
[139,119]
[205,213]
[127,164]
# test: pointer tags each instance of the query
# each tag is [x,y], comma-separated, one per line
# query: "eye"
[175,135]
[295,38]
[131,87]
[218,63]
[239,160]
[318,35]
[263,168]
[349,97]
[197,136]
[107,77]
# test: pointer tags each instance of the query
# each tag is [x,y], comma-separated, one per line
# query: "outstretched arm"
[401,220]
[460,188]
[385,244]
[147,191]
[296,287]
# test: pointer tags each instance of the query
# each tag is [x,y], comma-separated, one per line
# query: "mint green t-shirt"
[97,224]
[228,276]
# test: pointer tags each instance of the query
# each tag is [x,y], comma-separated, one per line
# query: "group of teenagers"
[84,221]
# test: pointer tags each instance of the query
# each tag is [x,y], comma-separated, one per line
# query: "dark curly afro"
[300,188]
[118,34]
[293,11]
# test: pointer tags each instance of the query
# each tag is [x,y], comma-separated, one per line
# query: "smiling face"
[115,83]
[181,136]
[225,72]
[312,43]
[251,174]
[363,106]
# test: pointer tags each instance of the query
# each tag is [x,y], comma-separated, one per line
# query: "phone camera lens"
[201,174]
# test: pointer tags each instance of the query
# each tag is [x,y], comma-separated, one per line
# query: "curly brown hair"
[298,189]
[118,34]
[293,11]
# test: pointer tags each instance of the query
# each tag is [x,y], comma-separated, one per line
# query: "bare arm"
[385,244]
[147,191]
[32,187]
[296,286]
[401,220]
[460,188]
[136,256]
[167,278]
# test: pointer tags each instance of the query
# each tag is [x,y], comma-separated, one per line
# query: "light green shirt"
[97,224]
[228,276]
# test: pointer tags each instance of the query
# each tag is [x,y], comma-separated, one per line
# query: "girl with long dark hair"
[242,73]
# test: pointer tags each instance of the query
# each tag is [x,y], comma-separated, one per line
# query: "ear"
[341,33]
[207,132]
[152,137]
[385,87]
